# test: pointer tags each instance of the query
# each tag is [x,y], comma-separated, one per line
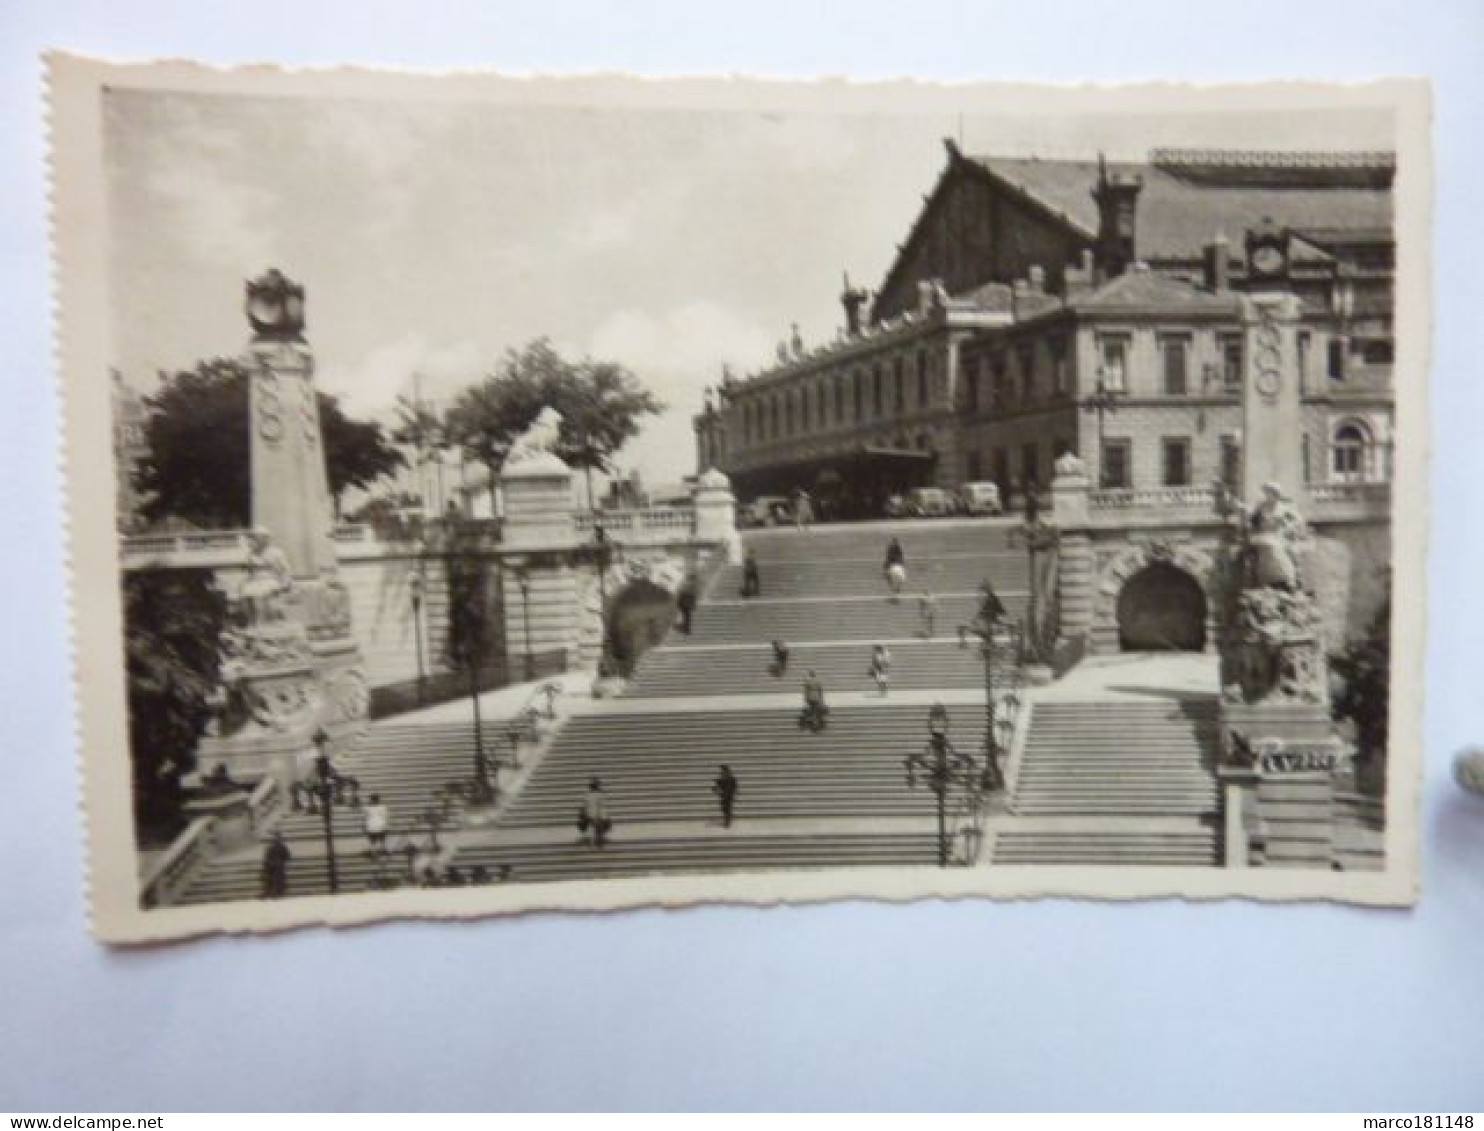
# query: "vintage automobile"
[767,510]
[981,498]
[932,502]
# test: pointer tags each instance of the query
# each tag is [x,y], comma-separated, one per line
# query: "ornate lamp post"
[943,766]
[987,630]
[1103,401]
[327,788]
[415,584]
[602,556]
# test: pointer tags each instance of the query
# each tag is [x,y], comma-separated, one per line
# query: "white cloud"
[676,354]
[370,386]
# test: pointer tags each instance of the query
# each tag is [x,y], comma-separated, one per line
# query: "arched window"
[1348,453]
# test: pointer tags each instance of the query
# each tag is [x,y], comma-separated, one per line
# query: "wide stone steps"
[921,540]
[671,671]
[1195,847]
[1130,760]
[235,879]
[660,767]
[833,576]
[868,619]
[572,860]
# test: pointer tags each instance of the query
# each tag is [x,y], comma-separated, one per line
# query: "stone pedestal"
[539,503]
[716,514]
[293,668]
[1075,573]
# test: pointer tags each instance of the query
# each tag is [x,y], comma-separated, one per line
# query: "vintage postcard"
[493,494]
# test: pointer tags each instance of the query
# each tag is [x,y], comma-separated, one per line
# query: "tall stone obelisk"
[1280,747]
[293,668]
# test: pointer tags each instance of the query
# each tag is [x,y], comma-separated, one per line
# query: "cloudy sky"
[433,236]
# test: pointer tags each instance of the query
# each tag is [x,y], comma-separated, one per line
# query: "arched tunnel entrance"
[638,619]
[1162,609]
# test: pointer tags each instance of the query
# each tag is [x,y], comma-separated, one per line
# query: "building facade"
[1042,307]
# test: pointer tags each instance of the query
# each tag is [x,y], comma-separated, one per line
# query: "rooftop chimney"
[1218,265]
[1117,197]
[852,299]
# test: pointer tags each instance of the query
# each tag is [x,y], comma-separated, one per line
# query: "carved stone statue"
[541,438]
[269,580]
[1277,542]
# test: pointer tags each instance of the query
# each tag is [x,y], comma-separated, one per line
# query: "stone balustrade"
[1160,498]
[173,872]
[623,525]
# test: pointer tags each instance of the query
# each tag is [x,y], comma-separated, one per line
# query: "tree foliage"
[473,631]
[601,403]
[173,622]
[197,464]
[1364,668]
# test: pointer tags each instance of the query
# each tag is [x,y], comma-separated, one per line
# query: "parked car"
[932,502]
[981,498]
[767,510]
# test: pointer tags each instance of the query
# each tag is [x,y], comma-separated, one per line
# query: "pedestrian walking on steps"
[686,602]
[751,581]
[593,821]
[276,859]
[927,611]
[816,713]
[803,509]
[880,669]
[725,788]
[377,819]
[896,580]
[780,660]
[894,555]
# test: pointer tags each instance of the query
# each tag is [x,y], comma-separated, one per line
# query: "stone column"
[294,667]
[1076,573]
[716,514]
[543,596]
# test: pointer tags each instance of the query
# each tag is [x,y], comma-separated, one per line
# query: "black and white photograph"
[494,496]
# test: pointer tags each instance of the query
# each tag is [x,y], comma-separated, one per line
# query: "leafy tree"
[198,464]
[601,404]
[1364,668]
[173,622]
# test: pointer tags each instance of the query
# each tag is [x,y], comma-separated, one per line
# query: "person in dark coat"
[752,585]
[276,859]
[725,788]
[780,659]
[815,712]
[894,555]
[686,601]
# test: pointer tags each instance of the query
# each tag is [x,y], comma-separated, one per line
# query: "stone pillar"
[542,594]
[293,667]
[716,514]
[1076,572]
[1272,406]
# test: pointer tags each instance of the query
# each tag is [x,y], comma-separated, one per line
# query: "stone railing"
[651,521]
[265,802]
[173,872]
[196,549]
[1349,492]
[1153,498]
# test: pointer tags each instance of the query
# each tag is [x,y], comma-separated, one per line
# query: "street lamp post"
[602,555]
[1103,401]
[985,628]
[943,766]
[327,788]
[416,585]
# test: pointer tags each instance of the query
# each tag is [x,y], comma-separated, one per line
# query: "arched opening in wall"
[1162,609]
[638,619]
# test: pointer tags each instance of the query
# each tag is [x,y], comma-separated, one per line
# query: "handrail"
[173,871]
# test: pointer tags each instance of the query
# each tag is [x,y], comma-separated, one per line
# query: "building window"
[1337,359]
[1175,353]
[922,379]
[1117,456]
[1231,362]
[1060,385]
[1001,464]
[971,384]
[1025,355]
[839,400]
[788,414]
[860,395]
[1113,362]
[1378,351]
[899,381]
[876,399]
[1348,458]
[997,384]
[971,467]
[804,409]
[1176,462]
[1301,340]
[1030,466]
[1231,463]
